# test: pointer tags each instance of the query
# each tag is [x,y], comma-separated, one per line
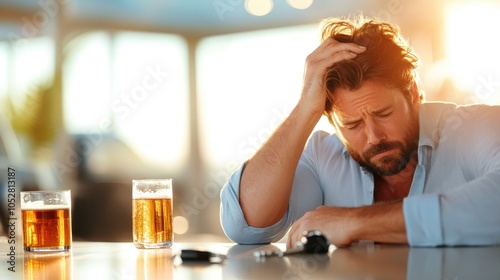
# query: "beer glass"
[152,213]
[46,217]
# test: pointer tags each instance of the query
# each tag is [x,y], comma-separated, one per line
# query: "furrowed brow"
[348,122]
[381,110]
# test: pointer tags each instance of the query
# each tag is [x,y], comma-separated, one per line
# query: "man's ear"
[414,93]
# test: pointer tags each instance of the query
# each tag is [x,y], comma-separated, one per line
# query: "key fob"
[190,255]
[314,242]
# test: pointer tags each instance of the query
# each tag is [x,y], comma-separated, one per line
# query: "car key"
[190,255]
[311,242]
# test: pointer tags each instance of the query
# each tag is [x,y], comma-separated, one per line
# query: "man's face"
[379,126]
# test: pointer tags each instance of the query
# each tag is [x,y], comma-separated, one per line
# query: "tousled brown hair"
[388,57]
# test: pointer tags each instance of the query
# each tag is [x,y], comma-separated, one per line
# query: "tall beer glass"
[152,213]
[46,217]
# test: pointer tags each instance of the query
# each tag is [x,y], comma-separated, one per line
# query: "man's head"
[388,57]
[372,99]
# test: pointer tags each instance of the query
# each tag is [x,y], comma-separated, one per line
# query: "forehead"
[371,96]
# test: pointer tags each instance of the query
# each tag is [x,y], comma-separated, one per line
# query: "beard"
[387,165]
[394,162]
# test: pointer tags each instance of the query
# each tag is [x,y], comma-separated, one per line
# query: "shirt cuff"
[423,220]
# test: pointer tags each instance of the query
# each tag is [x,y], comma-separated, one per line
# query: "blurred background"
[96,93]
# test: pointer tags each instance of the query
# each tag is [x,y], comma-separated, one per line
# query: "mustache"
[382,147]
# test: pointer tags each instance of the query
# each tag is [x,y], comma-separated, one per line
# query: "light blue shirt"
[454,198]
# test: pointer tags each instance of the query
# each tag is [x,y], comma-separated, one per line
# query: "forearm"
[267,179]
[343,226]
[380,222]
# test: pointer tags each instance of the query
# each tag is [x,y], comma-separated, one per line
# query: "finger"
[292,236]
[289,240]
[331,46]
[334,52]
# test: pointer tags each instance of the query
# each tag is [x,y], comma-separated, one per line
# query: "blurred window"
[134,85]
[86,83]
[25,65]
[247,84]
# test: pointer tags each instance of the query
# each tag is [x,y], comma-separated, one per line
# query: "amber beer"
[46,219]
[152,214]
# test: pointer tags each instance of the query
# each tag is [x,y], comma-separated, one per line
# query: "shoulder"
[471,118]
[444,110]
[322,140]
[473,130]
[481,112]
[323,147]
[439,119]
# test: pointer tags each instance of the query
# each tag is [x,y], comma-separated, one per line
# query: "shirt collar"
[430,122]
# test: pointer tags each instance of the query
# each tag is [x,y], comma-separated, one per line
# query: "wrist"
[379,222]
[310,109]
[359,221]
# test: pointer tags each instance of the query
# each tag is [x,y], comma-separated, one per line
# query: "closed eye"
[385,114]
[351,126]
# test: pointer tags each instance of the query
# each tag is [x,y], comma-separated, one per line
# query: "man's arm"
[383,222]
[268,176]
[267,179]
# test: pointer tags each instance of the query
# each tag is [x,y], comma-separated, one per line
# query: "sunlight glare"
[181,225]
[258,7]
[472,46]
[300,4]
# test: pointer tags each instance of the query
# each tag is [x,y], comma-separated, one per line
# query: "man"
[397,169]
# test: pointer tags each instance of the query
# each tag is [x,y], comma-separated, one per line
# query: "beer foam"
[157,194]
[39,205]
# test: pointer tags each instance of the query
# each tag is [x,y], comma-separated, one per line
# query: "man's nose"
[374,133]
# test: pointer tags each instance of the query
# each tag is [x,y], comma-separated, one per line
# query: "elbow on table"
[240,235]
[246,235]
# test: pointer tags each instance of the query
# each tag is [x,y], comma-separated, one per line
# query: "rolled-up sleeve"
[233,222]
